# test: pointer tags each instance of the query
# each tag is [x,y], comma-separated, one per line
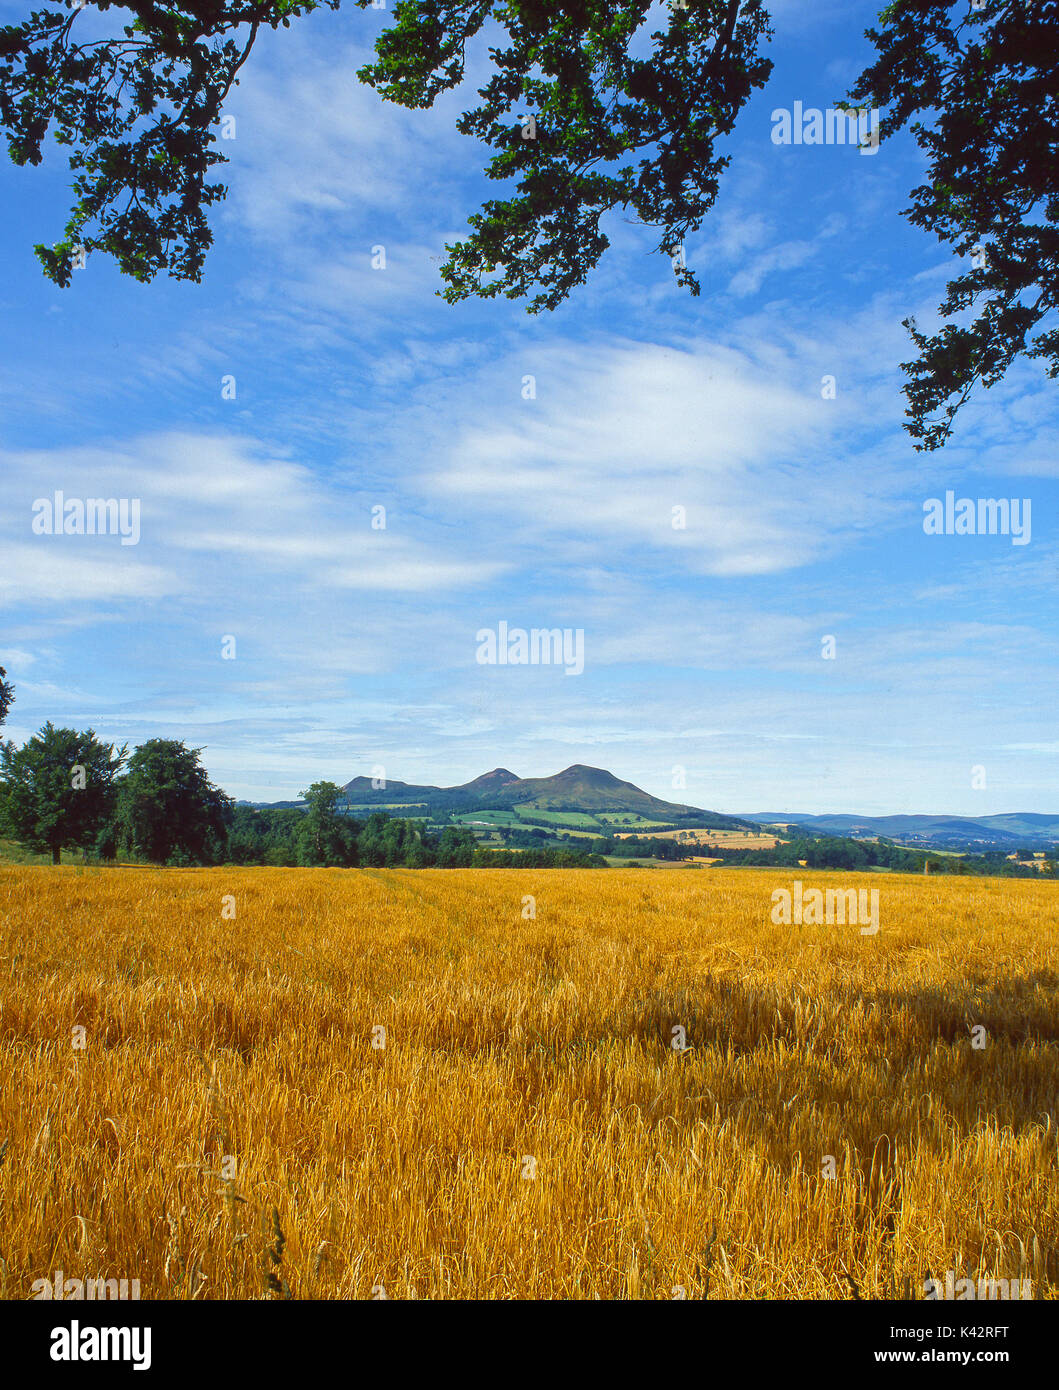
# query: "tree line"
[837,852]
[66,789]
[322,834]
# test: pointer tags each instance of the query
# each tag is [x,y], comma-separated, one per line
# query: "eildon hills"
[576,788]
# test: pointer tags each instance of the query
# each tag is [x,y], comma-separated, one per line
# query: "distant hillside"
[581,788]
[1015,830]
[490,781]
[576,788]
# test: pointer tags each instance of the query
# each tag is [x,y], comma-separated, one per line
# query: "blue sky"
[357,388]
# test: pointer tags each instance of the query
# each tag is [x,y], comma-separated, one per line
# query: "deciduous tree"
[58,791]
[978,86]
[168,808]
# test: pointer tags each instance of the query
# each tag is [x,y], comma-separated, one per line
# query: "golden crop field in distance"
[527,1130]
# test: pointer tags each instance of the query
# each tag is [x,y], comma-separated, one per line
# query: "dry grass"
[510,1039]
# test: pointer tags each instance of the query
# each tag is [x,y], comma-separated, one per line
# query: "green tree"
[977,85]
[7,695]
[168,809]
[419,856]
[570,112]
[321,837]
[137,110]
[584,112]
[57,792]
[456,848]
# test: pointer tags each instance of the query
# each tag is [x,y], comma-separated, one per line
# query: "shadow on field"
[856,1067]
[740,1018]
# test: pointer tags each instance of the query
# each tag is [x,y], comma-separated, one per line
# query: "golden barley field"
[528,1129]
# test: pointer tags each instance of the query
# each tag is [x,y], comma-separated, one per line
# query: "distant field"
[484,818]
[509,820]
[527,1130]
[526,818]
[567,820]
[728,839]
[617,862]
[583,822]
[615,818]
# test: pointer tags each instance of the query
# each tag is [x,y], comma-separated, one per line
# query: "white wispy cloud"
[622,433]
